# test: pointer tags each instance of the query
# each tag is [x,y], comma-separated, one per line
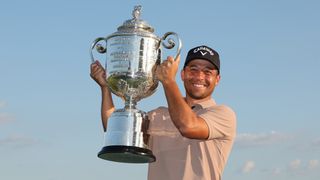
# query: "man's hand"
[167,70]
[98,74]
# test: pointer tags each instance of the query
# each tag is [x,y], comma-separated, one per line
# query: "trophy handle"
[171,43]
[98,47]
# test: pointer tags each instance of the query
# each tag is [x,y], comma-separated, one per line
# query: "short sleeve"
[221,121]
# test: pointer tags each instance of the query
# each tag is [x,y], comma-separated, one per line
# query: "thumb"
[177,60]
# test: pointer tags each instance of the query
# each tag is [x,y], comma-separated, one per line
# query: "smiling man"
[193,136]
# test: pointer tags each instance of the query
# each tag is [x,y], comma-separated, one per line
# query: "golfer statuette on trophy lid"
[132,55]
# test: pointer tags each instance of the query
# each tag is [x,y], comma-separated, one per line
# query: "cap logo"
[201,49]
[203,53]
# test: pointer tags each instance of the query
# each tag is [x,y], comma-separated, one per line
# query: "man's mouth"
[198,85]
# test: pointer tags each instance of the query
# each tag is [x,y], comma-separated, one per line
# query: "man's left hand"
[167,70]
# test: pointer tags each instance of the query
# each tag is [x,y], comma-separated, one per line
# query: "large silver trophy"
[132,56]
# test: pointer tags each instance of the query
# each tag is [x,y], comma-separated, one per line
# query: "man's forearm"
[107,106]
[180,112]
[186,121]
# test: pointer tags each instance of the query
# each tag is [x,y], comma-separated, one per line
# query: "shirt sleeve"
[221,121]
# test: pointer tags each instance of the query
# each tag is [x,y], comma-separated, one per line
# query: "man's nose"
[200,74]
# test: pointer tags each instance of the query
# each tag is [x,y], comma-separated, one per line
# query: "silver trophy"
[132,56]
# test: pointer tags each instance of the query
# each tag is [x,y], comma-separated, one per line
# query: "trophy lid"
[136,24]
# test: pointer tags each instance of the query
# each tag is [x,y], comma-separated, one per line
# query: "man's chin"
[198,96]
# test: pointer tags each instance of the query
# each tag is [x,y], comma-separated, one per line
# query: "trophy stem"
[130,103]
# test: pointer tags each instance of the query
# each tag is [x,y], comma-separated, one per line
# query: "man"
[192,137]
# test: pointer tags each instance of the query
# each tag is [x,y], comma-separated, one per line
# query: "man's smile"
[197,85]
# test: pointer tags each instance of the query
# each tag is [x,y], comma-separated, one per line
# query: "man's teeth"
[198,85]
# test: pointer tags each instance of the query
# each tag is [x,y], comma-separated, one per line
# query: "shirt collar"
[204,104]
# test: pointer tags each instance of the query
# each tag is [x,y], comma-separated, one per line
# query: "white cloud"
[296,167]
[253,140]
[316,143]
[248,167]
[5,117]
[314,163]
[295,164]
[17,140]
[276,171]
[3,104]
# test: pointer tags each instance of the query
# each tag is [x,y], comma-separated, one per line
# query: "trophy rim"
[134,33]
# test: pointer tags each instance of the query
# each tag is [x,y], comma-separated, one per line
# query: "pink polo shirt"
[180,158]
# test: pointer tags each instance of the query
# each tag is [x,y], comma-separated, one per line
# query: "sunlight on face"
[200,78]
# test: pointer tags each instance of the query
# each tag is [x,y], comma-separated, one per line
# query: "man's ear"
[217,79]
[182,74]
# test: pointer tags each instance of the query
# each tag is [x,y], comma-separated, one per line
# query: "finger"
[163,64]
[94,68]
[168,63]
[177,60]
[96,71]
[99,64]
[92,65]
[96,63]
[170,59]
[99,72]
[159,70]
[97,76]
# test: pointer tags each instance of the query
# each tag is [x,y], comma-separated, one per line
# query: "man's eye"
[207,71]
[193,69]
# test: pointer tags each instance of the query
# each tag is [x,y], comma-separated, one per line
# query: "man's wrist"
[104,88]
[168,82]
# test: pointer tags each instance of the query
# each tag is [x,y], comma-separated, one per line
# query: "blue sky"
[50,126]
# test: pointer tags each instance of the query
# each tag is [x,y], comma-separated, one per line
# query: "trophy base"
[126,154]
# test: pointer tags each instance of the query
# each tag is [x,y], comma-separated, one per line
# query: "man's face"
[200,77]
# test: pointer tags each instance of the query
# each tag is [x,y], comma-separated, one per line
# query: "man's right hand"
[98,73]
